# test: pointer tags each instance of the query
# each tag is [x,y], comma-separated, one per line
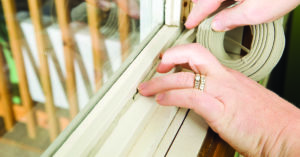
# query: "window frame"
[97,96]
[140,68]
[173,9]
[63,136]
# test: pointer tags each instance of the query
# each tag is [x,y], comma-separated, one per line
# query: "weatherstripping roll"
[266,48]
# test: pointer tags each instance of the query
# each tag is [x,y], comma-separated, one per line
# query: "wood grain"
[124,28]
[15,40]
[98,45]
[5,97]
[35,13]
[214,146]
[69,54]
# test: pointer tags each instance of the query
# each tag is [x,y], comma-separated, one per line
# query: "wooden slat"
[15,39]
[5,97]
[214,146]
[69,52]
[99,48]
[124,27]
[34,8]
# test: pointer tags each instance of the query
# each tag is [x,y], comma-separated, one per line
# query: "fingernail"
[157,68]
[160,97]
[142,86]
[187,24]
[217,26]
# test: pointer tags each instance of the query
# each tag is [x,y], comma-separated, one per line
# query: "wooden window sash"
[97,96]
[139,121]
[78,127]
[89,133]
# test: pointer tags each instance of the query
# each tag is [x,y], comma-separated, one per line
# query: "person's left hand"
[246,12]
[252,119]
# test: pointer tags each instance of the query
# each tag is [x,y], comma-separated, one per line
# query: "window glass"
[55,55]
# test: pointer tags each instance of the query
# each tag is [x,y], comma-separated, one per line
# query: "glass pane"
[55,55]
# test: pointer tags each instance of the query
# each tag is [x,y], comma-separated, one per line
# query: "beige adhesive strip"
[266,48]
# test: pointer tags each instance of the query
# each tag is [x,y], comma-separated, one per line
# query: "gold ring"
[202,83]
[197,80]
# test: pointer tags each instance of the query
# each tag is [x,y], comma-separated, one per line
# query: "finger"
[205,105]
[185,80]
[200,11]
[199,59]
[245,13]
[163,83]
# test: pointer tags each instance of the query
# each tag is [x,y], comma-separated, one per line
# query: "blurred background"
[55,55]
[285,77]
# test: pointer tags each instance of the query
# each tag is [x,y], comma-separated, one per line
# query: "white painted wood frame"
[190,137]
[173,12]
[123,123]
[127,124]
[151,16]
[103,118]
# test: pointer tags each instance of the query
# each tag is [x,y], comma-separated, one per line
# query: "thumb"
[245,13]
[200,11]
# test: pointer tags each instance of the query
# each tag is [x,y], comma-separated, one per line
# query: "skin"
[247,12]
[252,119]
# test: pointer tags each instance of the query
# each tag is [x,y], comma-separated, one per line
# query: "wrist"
[292,138]
[285,138]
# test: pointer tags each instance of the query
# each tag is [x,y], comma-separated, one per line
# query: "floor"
[17,143]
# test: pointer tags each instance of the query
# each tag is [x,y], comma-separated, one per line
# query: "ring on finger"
[199,82]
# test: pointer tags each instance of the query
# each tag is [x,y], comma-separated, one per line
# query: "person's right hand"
[247,12]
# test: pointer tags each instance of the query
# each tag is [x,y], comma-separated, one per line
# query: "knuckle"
[156,80]
[196,46]
[252,15]
[185,79]
[249,18]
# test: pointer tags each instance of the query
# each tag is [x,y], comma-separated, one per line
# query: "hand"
[252,119]
[247,12]
[130,7]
